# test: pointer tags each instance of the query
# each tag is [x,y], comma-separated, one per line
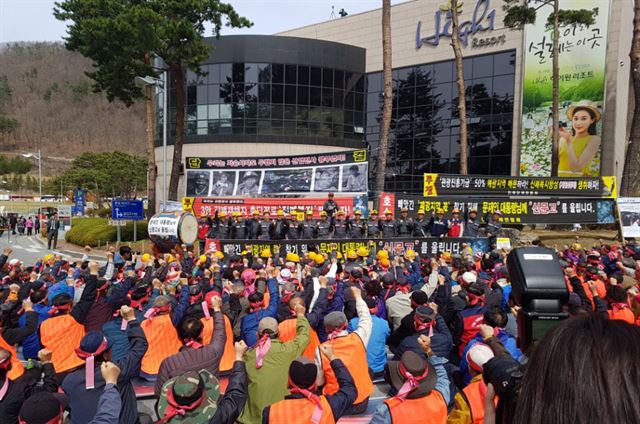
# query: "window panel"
[277,73]
[238,72]
[226,74]
[264,72]
[277,93]
[338,79]
[315,76]
[303,75]
[315,96]
[290,74]
[483,66]
[250,72]
[327,77]
[375,82]
[504,63]
[213,74]
[303,95]
[264,93]
[290,94]
[443,72]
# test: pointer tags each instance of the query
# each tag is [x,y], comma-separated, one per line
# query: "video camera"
[539,288]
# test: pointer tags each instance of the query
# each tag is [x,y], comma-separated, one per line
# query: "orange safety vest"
[163,342]
[474,394]
[350,349]
[299,411]
[287,332]
[229,354]
[414,411]
[62,335]
[17,369]
[624,314]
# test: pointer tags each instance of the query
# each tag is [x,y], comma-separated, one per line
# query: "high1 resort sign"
[482,20]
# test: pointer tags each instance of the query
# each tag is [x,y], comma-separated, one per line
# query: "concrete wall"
[617,109]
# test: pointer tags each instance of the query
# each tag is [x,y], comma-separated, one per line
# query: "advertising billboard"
[582,60]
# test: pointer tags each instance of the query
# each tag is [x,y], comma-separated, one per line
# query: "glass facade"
[272,99]
[425,128]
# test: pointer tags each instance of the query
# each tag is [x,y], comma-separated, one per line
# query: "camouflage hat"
[187,389]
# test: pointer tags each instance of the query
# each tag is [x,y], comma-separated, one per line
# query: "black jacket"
[20,390]
[231,404]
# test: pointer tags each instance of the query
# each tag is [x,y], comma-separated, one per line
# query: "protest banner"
[629,208]
[422,246]
[475,185]
[209,205]
[514,211]
[339,172]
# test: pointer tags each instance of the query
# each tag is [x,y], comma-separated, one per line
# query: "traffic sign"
[127,209]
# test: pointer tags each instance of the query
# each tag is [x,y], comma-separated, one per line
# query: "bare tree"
[631,177]
[454,7]
[387,108]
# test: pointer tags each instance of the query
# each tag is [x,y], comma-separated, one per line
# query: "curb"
[72,252]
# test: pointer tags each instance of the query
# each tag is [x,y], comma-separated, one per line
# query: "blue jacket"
[441,341]
[31,344]
[507,341]
[377,348]
[249,324]
[336,304]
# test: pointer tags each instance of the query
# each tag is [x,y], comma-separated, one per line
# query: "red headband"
[420,325]
[412,382]
[317,410]
[55,309]
[336,332]
[89,358]
[173,408]
[53,420]
[262,348]
[152,312]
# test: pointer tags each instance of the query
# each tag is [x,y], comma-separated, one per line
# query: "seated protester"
[194,355]
[194,397]
[407,327]
[62,333]
[84,386]
[140,299]
[399,305]
[616,300]
[427,322]
[304,405]
[109,298]
[469,403]
[351,349]
[287,328]
[288,291]
[31,344]
[380,331]
[421,387]
[10,337]
[13,393]
[268,364]
[160,330]
[257,311]
[495,319]
[467,322]
[373,289]
[44,407]
[204,312]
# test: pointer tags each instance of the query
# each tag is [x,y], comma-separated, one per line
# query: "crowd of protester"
[290,338]
[335,224]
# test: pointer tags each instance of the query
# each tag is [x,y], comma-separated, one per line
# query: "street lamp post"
[161,85]
[39,157]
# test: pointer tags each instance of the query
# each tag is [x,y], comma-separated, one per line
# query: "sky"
[32,20]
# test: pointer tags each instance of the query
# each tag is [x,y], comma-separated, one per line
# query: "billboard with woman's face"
[582,59]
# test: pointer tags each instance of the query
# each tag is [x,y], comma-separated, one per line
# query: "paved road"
[25,248]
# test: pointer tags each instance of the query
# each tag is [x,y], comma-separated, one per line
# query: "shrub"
[95,231]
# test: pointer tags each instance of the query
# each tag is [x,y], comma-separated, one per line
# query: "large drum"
[169,229]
